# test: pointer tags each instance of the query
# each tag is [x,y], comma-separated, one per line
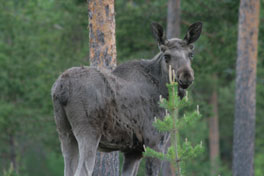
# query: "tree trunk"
[103,54]
[173,18]
[173,30]
[102,33]
[106,164]
[13,154]
[214,133]
[245,107]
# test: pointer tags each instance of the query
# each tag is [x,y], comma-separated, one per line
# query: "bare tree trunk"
[102,33]
[106,164]
[173,30]
[173,18]
[103,54]
[244,124]
[214,133]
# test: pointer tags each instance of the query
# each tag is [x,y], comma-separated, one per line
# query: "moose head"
[178,53]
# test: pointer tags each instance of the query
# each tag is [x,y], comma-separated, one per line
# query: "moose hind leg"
[136,168]
[69,144]
[88,142]
[70,154]
[131,163]
[152,166]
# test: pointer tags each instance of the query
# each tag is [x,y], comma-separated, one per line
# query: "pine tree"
[178,153]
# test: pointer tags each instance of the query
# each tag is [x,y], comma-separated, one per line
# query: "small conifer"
[178,152]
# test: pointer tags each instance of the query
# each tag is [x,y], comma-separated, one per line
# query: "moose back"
[97,109]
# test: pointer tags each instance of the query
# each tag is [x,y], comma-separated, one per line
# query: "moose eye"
[167,58]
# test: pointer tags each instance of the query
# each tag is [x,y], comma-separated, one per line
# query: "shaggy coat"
[109,111]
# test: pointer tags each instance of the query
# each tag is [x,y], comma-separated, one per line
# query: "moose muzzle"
[185,76]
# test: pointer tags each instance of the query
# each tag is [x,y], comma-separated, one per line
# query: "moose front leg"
[131,163]
[181,92]
[152,166]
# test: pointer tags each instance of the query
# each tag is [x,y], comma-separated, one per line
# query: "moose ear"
[158,32]
[193,33]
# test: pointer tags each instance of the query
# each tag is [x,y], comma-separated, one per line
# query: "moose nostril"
[184,83]
[180,82]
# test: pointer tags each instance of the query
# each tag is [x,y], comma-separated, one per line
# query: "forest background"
[40,39]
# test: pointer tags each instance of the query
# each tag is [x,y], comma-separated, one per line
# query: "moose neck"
[156,71]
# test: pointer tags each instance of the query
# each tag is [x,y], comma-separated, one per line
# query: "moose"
[97,109]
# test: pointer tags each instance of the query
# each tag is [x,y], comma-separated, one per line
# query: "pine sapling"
[177,153]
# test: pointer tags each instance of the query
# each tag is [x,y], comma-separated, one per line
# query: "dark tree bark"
[107,164]
[173,18]
[244,124]
[103,54]
[173,30]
